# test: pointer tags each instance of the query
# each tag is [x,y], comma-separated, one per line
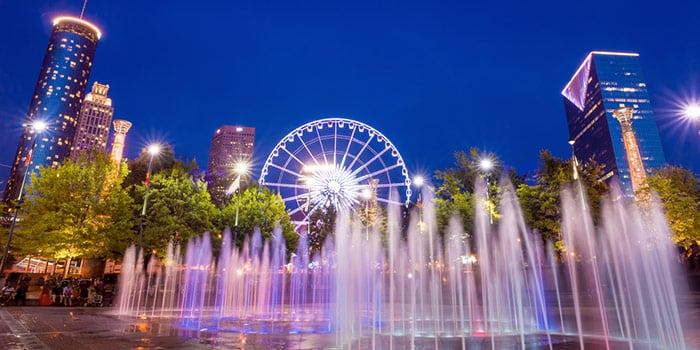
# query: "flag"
[419,203]
[234,186]
[29,158]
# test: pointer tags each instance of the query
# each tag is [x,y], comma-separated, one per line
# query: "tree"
[260,208]
[541,201]
[679,191]
[178,208]
[322,225]
[455,195]
[78,209]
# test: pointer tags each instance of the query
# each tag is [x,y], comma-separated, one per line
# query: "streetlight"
[38,127]
[240,169]
[574,161]
[486,164]
[153,150]
[692,112]
[574,165]
[418,182]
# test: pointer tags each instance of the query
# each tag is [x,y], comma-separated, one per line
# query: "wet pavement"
[35,327]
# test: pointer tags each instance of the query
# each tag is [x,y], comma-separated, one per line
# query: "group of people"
[61,294]
[66,292]
[14,293]
[70,292]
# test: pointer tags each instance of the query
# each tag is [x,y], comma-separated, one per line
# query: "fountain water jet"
[613,288]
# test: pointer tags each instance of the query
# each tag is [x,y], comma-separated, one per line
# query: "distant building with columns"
[121,127]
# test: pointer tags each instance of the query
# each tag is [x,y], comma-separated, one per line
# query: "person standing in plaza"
[21,295]
[693,255]
[45,297]
[67,295]
[57,294]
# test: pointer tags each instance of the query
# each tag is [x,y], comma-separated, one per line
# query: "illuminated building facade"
[57,97]
[121,127]
[229,145]
[93,122]
[607,82]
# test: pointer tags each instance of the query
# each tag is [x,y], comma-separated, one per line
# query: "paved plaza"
[71,328]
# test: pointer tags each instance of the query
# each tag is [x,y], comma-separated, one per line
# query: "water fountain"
[614,288]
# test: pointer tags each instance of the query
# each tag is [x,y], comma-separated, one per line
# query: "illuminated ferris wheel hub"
[335,162]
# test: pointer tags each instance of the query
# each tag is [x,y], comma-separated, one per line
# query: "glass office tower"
[604,83]
[57,98]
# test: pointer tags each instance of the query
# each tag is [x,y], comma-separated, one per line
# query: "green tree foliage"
[455,195]
[679,191]
[322,223]
[261,208]
[78,209]
[178,208]
[541,201]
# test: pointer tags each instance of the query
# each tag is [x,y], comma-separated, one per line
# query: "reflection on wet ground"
[99,328]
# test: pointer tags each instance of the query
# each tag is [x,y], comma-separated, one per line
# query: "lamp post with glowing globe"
[240,170]
[418,182]
[692,113]
[37,128]
[486,165]
[152,150]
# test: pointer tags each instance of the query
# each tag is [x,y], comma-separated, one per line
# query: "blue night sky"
[434,77]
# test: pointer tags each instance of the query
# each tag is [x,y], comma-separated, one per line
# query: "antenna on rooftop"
[83,10]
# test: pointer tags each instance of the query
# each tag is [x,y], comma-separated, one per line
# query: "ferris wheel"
[335,162]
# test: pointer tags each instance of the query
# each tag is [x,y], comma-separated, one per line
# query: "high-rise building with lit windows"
[57,97]
[229,145]
[607,82]
[94,121]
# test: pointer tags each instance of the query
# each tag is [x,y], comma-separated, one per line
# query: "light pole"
[485,164]
[38,127]
[574,165]
[574,161]
[240,169]
[418,182]
[153,150]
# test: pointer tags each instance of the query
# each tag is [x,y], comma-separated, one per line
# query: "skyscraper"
[94,121]
[121,127]
[58,96]
[604,83]
[229,145]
